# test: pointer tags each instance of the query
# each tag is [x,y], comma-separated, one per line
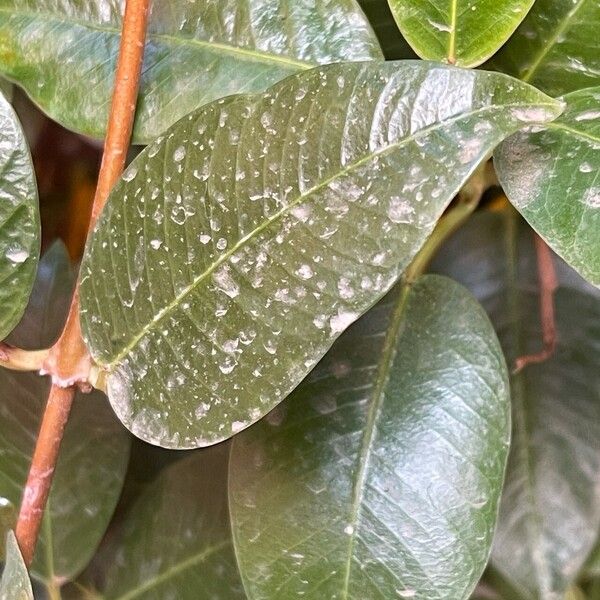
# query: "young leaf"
[64,53]
[381,475]
[556,47]
[550,510]
[94,452]
[551,176]
[19,220]
[15,584]
[240,245]
[461,32]
[175,541]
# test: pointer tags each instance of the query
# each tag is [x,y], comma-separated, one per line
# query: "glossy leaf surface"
[556,48]
[15,584]
[461,32]
[64,53]
[550,510]
[94,451]
[551,176]
[175,540]
[380,476]
[238,247]
[19,220]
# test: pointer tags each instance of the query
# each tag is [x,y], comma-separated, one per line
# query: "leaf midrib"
[545,49]
[174,570]
[110,364]
[386,361]
[256,55]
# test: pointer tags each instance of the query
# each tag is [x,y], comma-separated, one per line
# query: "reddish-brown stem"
[547,285]
[69,362]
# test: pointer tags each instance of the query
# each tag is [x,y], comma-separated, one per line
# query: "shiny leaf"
[556,48]
[175,541]
[19,220]
[551,176]
[64,53]
[239,246]
[94,452]
[15,584]
[380,476]
[461,32]
[550,510]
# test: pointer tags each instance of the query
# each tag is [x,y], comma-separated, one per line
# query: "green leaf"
[550,511]
[175,541]
[556,47]
[19,220]
[393,45]
[461,32]
[64,53]
[240,245]
[94,451]
[15,584]
[380,477]
[551,176]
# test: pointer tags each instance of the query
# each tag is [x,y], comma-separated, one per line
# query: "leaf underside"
[551,176]
[380,476]
[19,220]
[461,32]
[15,583]
[550,510]
[64,53]
[239,246]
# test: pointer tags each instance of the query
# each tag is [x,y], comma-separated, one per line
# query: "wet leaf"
[15,584]
[550,510]
[94,451]
[381,475]
[64,53]
[175,541]
[556,47]
[19,220]
[551,176]
[239,246]
[461,32]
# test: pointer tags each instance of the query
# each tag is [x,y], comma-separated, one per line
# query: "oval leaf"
[461,32]
[381,475]
[551,176]
[64,53]
[238,247]
[550,510]
[175,541]
[15,584]
[19,220]
[94,452]
[556,47]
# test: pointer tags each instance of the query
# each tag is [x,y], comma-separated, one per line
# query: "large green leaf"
[550,511]
[380,476]
[461,32]
[551,176]
[15,584]
[556,47]
[19,220]
[175,541]
[64,53]
[239,246]
[94,452]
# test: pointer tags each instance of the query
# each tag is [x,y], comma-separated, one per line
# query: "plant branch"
[547,285]
[21,360]
[69,362]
